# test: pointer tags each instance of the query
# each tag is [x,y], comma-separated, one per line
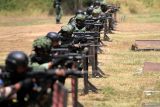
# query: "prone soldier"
[21,78]
[80,23]
[17,68]
[72,21]
[66,33]
[42,53]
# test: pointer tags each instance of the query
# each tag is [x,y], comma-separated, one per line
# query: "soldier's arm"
[36,66]
[9,91]
[46,66]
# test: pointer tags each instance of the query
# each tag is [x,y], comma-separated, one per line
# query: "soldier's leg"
[58,13]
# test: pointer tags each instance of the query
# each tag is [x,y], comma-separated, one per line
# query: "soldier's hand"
[60,72]
[76,45]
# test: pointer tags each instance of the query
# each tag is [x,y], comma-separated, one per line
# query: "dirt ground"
[21,37]
[116,55]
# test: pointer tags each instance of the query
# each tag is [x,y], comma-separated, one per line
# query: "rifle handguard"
[59,60]
[74,73]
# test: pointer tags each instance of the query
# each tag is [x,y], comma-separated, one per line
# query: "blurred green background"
[39,7]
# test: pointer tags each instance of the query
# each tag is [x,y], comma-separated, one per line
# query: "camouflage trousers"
[58,13]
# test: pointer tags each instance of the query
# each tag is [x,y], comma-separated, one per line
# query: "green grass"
[31,7]
[123,88]
[142,18]
[38,7]
[137,6]
[125,80]
[25,5]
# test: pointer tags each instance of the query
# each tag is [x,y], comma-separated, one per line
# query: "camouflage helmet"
[67,30]
[104,7]
[103,4]
[80,17]
[80,21]
[42,44]
[96,12]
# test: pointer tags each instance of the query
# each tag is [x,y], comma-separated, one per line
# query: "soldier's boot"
[57,21]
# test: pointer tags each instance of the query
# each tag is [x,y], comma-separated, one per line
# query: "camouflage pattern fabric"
[58,10]
[67,28]
[42,42]
[80,30]
[97,11]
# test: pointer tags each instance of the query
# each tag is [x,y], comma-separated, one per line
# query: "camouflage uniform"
[41,57]
[72,21]
[80,30]
[58,10]
[66,34]
[96,12]
[80,23]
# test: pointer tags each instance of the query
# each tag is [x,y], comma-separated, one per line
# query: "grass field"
[124,82]
[39,7]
